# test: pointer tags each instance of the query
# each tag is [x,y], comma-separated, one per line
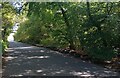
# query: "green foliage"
[3,46]
[8,15]
[101,53]
[92,26]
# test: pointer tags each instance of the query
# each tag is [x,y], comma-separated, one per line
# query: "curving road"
[30,61]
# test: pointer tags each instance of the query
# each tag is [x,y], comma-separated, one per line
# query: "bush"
[102,53]
[3,46]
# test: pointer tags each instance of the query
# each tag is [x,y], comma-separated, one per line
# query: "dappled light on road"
[41,57]
[10,50]
[38,71]
[27,60]
[10,58]
[83,74]
[30,47]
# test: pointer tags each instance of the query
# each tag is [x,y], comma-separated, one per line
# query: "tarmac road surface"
[27,61]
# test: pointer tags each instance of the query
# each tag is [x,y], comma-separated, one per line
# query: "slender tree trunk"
[70,40]
[88,10]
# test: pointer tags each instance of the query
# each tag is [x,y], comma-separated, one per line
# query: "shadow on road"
[28,61]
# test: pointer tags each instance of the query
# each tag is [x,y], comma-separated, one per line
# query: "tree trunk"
[88,11]
[70,40]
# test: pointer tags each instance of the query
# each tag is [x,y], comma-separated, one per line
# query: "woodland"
[87,30]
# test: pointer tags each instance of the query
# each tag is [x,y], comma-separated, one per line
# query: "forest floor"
[24,60]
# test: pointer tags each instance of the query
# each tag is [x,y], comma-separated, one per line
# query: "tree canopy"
[8,14]
[92,27]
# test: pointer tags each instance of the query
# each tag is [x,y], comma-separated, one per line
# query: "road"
[25,60]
